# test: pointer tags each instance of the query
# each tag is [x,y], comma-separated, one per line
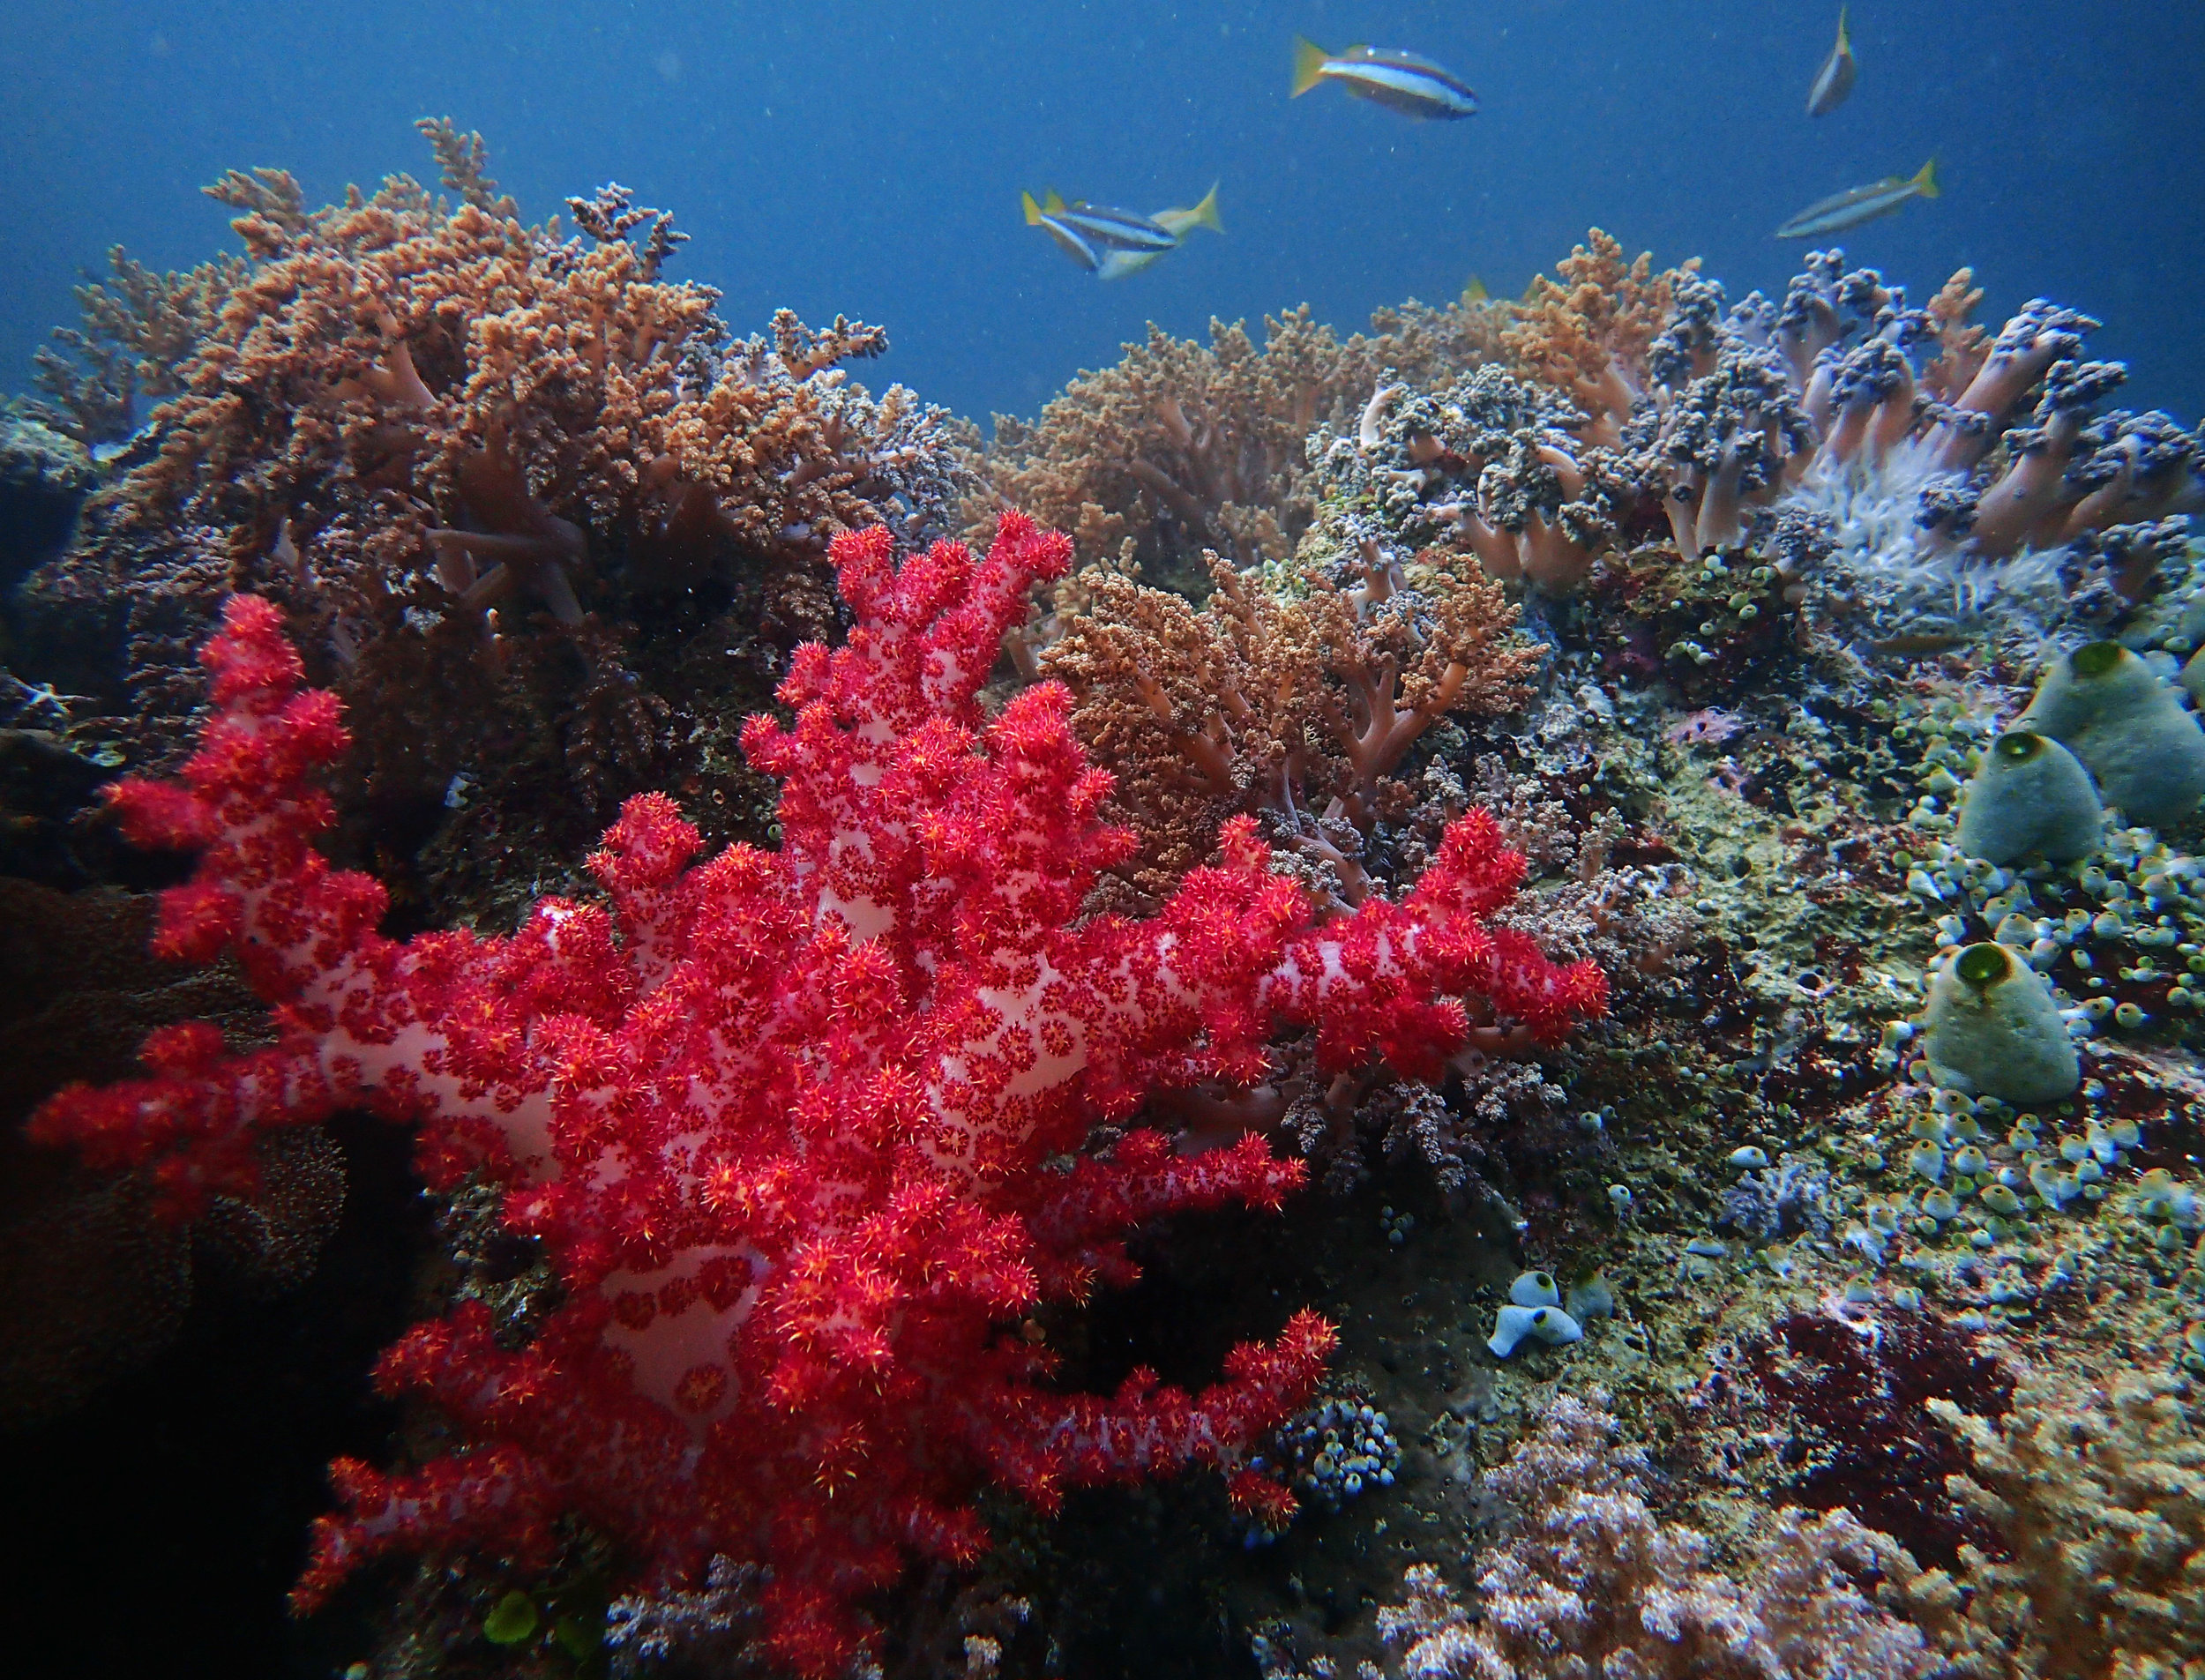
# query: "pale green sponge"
[1991,1028]
[2030,798]
[2146,753]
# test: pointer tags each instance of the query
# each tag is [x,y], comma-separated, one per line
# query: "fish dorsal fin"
[1051,203]
[1308,66]
[1926,180]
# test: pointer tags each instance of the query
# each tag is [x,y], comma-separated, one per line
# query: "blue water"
[867,158]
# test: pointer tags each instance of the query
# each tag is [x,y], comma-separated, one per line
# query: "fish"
[1474,292]
[1857,205]
[1400,81]
[1834,79]
[1110,243]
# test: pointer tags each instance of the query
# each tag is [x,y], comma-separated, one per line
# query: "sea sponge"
[1991,1029]
[2145,752]
[2030,797]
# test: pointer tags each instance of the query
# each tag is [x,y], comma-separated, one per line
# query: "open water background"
[868,157]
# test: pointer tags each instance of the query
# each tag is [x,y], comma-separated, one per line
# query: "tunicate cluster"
[1337,1449]
[2121,931]
[1534,1313]
[1977,1163]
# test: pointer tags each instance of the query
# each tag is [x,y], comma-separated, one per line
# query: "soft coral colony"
[797,1125]
[467,454]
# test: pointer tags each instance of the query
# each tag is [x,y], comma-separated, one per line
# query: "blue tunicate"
[1513,1325]
[1536,1289]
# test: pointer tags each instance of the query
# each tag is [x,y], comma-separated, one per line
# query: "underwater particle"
[2031,797]
[512,1620]
[2144,751]
[1991,1026]
[1536,1289]
[1511,1325]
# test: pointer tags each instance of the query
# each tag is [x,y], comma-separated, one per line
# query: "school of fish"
[1110,243]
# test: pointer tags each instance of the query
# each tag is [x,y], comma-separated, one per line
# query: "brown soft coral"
[1297,705]
[1184,447]
[2098,1501]
[410,420]
[1587,335]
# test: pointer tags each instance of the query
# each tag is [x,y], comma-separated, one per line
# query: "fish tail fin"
[1474,291]
[1033,210]
[1205,213]
[1843,45]
[1308,66]
[1926,180]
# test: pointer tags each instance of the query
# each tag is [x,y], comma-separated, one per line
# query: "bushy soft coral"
[794,1127]
[418,424]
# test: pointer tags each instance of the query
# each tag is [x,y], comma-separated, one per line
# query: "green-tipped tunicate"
[2145,752]
[1991,1028]
[2030,798]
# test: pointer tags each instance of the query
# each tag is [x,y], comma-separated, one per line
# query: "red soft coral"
[793,1126]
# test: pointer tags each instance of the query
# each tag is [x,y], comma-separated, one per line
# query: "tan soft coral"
[413,420]
[1588,334]
[1297,703]
[1184,446]
[2098,1501]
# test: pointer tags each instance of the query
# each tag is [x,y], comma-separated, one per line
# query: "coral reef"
[783,1121]
[1640,796]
